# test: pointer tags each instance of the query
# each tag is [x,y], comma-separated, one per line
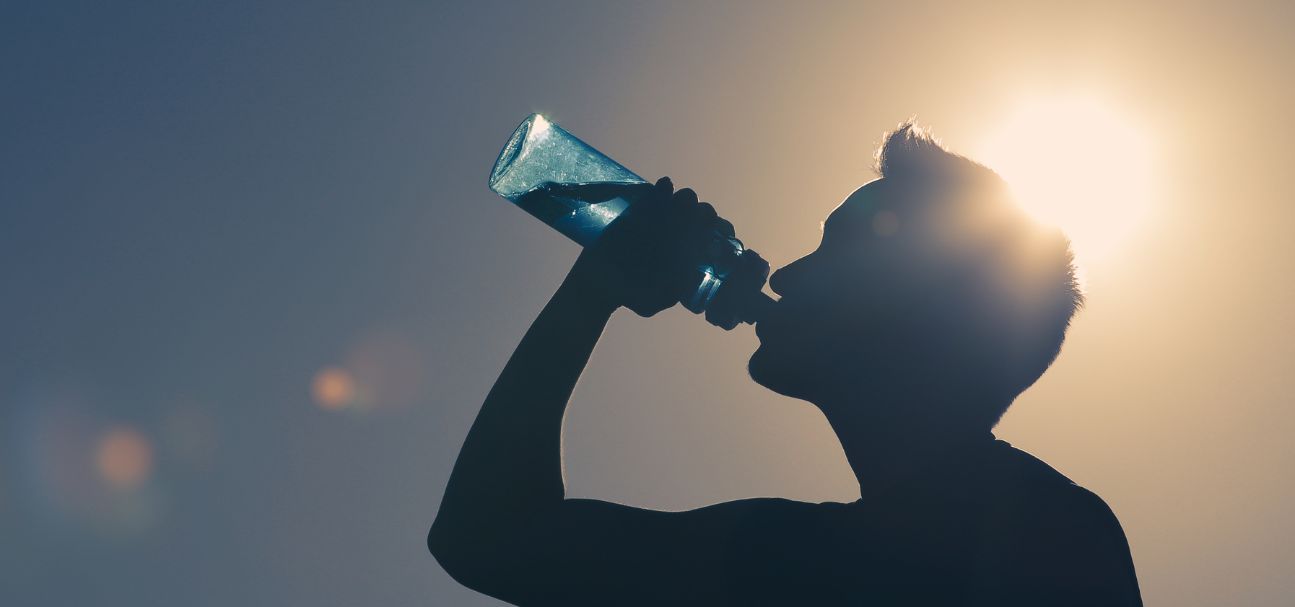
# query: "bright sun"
[1076,164]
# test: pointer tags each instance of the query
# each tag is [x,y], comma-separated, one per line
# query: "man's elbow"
[450,549]
[474,562]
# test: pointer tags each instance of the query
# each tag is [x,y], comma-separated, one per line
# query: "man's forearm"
[510,466]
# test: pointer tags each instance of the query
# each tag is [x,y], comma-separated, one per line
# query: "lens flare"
[333,388]
[1077,164]
[124,458]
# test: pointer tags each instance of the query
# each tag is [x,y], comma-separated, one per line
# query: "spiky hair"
[1035,263]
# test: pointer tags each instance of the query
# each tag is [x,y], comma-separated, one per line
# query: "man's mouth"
[767,320]
[758,307]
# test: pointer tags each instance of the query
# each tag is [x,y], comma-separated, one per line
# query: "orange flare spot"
[124,458]
[333,388]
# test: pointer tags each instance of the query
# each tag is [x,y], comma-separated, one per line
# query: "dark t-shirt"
[992,525]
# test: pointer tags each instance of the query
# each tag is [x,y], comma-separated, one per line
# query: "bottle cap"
[740,298]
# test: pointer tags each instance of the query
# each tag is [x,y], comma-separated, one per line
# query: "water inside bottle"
[580,210]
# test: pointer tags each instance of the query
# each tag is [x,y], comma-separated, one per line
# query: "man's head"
[930,288]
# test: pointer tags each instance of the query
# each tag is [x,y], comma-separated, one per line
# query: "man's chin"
[765,369]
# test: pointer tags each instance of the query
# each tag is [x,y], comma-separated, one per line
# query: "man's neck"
[888,453]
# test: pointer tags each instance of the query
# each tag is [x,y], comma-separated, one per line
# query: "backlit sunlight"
[1078,164]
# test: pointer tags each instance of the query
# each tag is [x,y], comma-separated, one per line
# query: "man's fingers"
[705,213]
[659,245]
[663,190]
[685,198]
[701,225]
[723,226]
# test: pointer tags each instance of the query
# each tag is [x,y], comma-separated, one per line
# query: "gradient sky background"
[205,205]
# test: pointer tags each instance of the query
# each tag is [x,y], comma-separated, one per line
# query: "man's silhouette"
[930,304]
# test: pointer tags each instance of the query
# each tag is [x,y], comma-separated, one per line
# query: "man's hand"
[646,260]
[505,526]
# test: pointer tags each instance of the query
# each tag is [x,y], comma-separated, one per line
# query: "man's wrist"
[582,290]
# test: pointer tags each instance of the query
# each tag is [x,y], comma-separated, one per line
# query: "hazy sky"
[207,210]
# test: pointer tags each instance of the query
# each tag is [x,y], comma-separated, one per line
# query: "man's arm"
[505,528]
[508,476]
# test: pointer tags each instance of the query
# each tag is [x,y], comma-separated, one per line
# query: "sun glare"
[1077,164]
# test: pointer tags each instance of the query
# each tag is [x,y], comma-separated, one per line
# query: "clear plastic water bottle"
[578,191]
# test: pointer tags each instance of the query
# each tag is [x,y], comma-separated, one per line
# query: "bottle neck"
[737,298]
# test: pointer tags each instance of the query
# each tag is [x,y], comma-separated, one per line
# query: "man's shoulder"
[1042,504]
[1023,467]
[1020,472]
[1052,532]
